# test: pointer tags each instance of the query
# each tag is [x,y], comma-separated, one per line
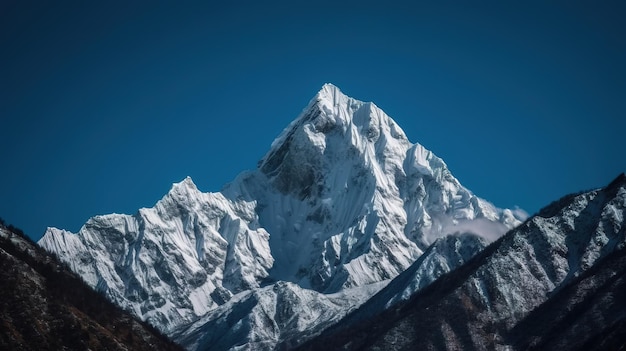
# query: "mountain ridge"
[555,281]
[46,306]
[341,201]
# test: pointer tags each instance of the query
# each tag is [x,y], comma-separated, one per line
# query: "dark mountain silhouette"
[44,306]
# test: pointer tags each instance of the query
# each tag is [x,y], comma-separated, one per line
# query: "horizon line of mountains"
[348,236]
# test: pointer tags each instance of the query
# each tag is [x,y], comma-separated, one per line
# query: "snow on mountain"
[554,282]
[342,200]
[171,263]
[443,256]
[349,201]
[45,306]
[278,316]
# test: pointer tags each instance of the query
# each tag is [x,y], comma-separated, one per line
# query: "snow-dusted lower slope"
[443,256]
[278,316]
[555,282]
[341,200]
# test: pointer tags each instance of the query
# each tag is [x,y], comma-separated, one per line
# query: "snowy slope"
[280,315]
[443,256]
[171,263]
[341,200]
[555,282]
[45,306]
[349,201]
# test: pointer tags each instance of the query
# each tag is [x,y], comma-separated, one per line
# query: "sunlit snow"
[342,200]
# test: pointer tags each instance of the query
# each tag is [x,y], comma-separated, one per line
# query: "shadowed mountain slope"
[555,282]
[45,306]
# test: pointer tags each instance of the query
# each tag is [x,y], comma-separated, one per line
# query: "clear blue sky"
[104,105]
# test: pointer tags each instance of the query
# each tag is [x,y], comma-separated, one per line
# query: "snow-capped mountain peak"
[353,176]
[341,200]
[185,183]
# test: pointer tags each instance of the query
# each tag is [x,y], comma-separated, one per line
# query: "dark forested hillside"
[44,306]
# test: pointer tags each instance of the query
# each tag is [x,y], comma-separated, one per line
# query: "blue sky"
[104,106]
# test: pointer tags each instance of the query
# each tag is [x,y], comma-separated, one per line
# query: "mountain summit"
[342,202]
[342,184]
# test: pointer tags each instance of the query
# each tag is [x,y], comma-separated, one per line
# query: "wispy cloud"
[519,213]
[488,230]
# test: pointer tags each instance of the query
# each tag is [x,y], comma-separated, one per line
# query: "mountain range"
[556,282]
[347,234]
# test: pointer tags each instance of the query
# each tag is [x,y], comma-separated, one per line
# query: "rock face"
[340,202]
[171,263]
[443,256]
[45,306]
[555,282]
[281,315]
